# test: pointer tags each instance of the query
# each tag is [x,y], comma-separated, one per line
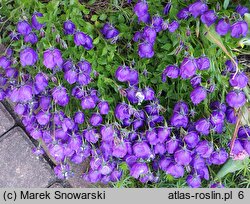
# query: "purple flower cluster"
[208,17]
[77,73]
[235,98]
[187,70]
[147,36]
[110,32]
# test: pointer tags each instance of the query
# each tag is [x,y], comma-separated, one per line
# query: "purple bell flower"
[181,107]
[197,8]
[91,135]
[137,36]
[83,79]
[160,149]
[219,157]
[193,181]
[21,109]
[31,38]
[203,126]
[60,95]
[82,39]
[52,58]
[62,171]
[148,93]
[119,150]
[203,63]
[141,8]
[173,26]
[198,95]
[79,38]
[146,50]
[204,149]
[164,162]
[109,32]
[122,73]
[230,115]
[216,105]
[151,136]
[79,117]
[45,102]
[11,72]
[241,10]
[25,93]
[171,71]
[43,118]
[71,76]
[139,169]
[176,170]
[88,103]
[179,120]
[116,175]
[84,66]
[131,94]
[172,144]
[122,111]
[41,82]
[191,139]
[183,157]
[163,134]
[69,27]
[208,18]
[28,57]
[95,119]
[57,152]
[223,26]
[183,14]
[149,34]
[240,80]
[157,22]
[244,132]
[103,107]
[23,27]
[145,18]
[239,29]
[236,99]
[195,81]
[133,77]
[67,65]
[107,133]
[5,62]
[217,117]
[94,176]
[35,24]
[188,68]
[142,150]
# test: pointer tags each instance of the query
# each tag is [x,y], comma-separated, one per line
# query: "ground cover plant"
[150,93]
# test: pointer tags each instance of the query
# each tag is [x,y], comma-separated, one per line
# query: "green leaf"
[225,4]
[103,17]
[232,166]
[94,18]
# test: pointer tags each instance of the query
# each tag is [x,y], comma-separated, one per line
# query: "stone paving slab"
[19,167]
[6,121]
